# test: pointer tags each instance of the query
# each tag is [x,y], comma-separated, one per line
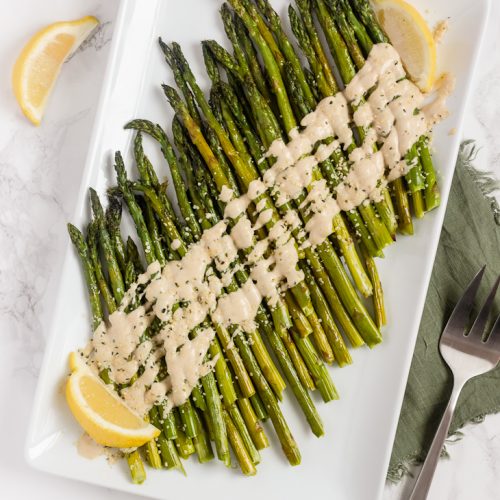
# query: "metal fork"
[467,355]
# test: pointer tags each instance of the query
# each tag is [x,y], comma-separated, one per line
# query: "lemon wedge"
[411,37]
[101,413]
[37,67]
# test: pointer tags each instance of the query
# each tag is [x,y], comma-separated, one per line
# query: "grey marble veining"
[40,169]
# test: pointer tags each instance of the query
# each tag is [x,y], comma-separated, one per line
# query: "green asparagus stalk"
[184,444]
[333,263]
[89,274]
[432,196]
[135,210]
[378,296]
[417,182]
[113,220]
[202,442]
[281,427]
[288,360]
[244,460]
[331,260]
[252,423]
[136,466]
[168,452]
[244,433]
[258,407]
[92,241]
[152,452]
[208,381]
[133,255]
[115,275]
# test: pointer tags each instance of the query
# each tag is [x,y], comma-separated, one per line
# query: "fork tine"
[479,325]
[458,319]
[494,336]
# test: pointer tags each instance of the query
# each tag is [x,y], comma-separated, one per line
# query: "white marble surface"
[39,177]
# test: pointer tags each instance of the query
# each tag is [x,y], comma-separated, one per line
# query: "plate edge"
[456,145]
[118,32]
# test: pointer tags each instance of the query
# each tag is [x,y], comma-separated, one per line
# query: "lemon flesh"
[39,64]
[412,38]
[102,414]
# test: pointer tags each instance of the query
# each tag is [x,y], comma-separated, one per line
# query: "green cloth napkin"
[469,239]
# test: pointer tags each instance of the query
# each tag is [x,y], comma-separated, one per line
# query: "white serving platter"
[350,462]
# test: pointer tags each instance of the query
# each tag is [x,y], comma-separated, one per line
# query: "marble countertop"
[39,176]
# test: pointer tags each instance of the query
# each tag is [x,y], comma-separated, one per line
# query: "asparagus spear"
[252,423]
[235,436]
[267,120]
[92,242]
[208,381]
[288,360]
[368,19]
[247,174]
[259,408]
[307,36]
[152,452]
[202,442]
[183,442]
[156,132]
[89,273]
[115,275]
[414,177]
[113,220]
[136,466]
[133,255]
[246,464]
[378,296]
[281,427]
[168,453]
[266,393]
[245,171]
[239,423]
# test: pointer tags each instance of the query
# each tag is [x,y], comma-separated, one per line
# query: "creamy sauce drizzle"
[393,117]
[88,448]
[439,30]
[185,293]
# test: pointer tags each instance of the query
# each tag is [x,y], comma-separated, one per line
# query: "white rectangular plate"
[350,462]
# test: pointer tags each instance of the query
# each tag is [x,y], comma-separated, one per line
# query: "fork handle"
[424,480]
